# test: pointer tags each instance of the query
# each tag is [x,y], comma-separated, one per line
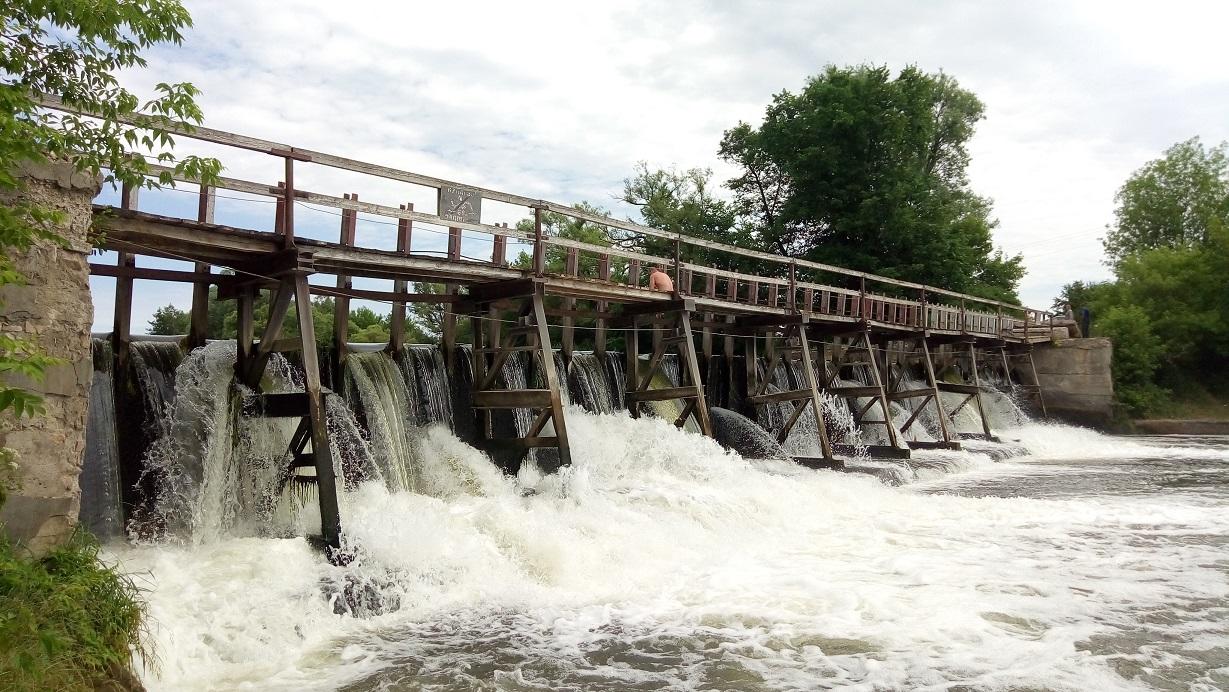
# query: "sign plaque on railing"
[457,203]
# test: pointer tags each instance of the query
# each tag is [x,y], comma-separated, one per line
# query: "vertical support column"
[706,337]
[326,479]
[893,438]
[981,412]
[245,332]
[817,408]
[693,370]
[449,326]
[568,338]
[396,324]
[599,335]
[499,249]
[287,228]
[934,387]
[539,244]
[341,302]
[1041,399]
[121,341]
[198,327]
[551,377]
[631,350]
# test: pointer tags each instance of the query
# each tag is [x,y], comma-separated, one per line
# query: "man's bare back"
[660,280]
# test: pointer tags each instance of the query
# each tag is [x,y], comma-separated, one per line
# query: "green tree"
[427,319]
[867,171]
[72,51]
[68,621]
[1172,201]
[556,225]
[169,320]
[1137,356]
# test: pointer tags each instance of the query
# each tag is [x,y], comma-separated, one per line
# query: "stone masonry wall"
[55,311]
[1076,381]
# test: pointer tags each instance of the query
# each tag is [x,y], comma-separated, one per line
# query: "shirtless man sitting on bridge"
[659,280]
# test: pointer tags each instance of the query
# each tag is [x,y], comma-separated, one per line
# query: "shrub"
[67,620]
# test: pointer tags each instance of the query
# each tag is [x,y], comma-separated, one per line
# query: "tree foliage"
[169,320]
[868,171]
[1167,309]
[72,50]
[1171,202]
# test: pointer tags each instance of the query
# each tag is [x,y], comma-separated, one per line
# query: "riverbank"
[1174,426]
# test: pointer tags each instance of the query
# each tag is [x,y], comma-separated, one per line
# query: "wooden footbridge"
[828,319]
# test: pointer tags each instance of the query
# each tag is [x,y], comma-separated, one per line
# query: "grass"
[67,620]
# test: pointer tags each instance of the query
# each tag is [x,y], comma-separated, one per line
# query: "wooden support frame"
[861,345]
[971,390]
[198,326]
[930,394]
[493,343]
[341,302]
[792,331]
[396,323]
[671,325]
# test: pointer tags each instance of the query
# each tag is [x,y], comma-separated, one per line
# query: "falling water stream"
[660,560]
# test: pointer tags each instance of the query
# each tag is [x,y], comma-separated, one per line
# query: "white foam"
[795,578]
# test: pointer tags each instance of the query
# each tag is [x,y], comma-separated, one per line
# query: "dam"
[832,363]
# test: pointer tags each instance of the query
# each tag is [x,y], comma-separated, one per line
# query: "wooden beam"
[198,326]
[341,302]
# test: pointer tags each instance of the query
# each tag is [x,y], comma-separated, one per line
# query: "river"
[662,561]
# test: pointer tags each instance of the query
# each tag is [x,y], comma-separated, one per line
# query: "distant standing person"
[659,280]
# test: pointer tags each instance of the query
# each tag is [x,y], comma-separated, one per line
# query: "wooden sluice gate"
[824,319]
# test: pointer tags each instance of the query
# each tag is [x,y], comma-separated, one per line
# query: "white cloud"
[560,100]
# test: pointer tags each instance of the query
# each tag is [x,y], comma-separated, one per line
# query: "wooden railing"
[781,282]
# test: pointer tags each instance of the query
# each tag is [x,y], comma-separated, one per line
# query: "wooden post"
[981,411]
[450,317]
[288,205]
[396,324]
[198,328]
[633,273]
[934,388]
[121,341]
[326,480]
[499,251]
[551,378]
[341,302]
[631,350]
[817,409]
[599,335]
[571,268]
[539,245]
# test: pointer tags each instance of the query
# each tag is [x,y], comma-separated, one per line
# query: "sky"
[561,100]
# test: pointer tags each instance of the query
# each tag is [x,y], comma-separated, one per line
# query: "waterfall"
[101,511]
[428,384]
[379,393]
[590,386]
[220,471]
[211,469]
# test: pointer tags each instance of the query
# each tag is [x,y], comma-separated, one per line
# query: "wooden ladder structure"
[309,448]
[671,328]
[488,305]
[791,331]
[918,352]
[859,351]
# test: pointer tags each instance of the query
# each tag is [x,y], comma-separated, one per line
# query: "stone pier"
[1075,377]
[53,309]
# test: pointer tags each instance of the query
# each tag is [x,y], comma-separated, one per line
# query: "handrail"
[214,136]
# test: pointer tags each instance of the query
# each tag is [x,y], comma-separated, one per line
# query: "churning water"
[661,561]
